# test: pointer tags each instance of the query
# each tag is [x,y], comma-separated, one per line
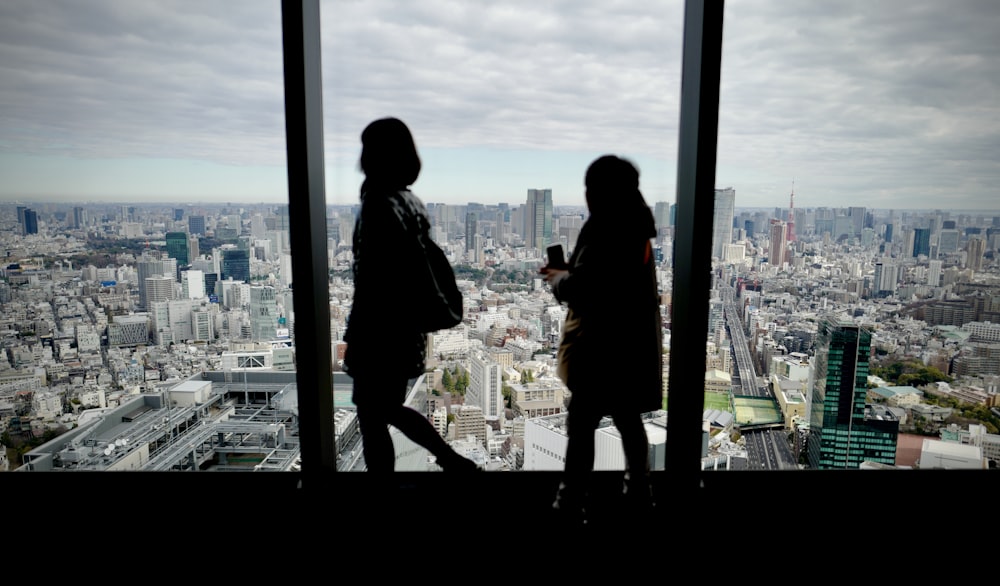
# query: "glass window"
[857,220]
[508,104]
[145,204]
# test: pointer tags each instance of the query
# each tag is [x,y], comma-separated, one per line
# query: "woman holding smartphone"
[610,289]
[382,354]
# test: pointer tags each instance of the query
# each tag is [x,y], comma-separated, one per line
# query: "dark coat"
[616,356]
[381,337]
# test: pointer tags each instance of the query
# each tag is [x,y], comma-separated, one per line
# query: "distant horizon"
[212,204]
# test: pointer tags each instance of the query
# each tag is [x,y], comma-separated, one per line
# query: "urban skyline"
[231,304]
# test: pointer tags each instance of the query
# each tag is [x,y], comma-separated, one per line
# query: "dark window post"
[307,212]
[699,122]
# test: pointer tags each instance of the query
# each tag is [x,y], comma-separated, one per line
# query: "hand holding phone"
[557,259]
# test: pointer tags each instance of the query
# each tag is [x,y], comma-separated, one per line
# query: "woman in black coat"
[385,347]
[611,356]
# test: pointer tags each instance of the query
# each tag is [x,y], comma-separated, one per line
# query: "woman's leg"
[636,446]
[380,455]
[581,422]
[416,427]
[634,442]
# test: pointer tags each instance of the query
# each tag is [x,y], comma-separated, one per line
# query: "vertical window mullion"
[307,213]
[698,137]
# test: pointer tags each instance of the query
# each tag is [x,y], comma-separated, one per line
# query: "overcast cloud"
[882,104]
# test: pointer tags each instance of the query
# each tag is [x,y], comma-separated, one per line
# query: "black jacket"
[381,337]
[611,289]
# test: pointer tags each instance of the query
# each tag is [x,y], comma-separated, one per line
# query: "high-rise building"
[857,216]
[236,265]
[471,229]
[210,280]
[843,432]
[722,224]
[263,314]
[948,240]
[976,249]
[193,284]
[202,326]
[538,218]
[486,387]
[778,247]
[196,225]
[158,288]
[30,222]
[177,247]
[145,267]
[934,273]
[79,218]
[661,214]
[886,277]
[921,242]
[469,421]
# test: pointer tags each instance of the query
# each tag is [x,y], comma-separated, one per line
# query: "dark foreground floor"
[477,510]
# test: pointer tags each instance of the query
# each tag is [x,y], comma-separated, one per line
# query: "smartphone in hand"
[557,259]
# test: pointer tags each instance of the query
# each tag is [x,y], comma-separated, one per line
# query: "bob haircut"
[612,185]
[389,154]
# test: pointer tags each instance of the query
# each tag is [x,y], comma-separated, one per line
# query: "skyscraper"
[538,218]
[722,224]
[777,249]
[158,288]
[148,266]
[857,216]
[842,433]
[236,264]
[886,276]
[661,213]
[471,229]
[79,218]
[263,314]
[177,247]
[196,225]
[921,242]
[976,248]
[30,222]
[948,240]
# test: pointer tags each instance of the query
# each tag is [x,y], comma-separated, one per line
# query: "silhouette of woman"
[383,354]
[611,292]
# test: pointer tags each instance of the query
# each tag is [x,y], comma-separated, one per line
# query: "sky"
[888,104]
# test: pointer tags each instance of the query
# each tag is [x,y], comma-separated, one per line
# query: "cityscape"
[162,337]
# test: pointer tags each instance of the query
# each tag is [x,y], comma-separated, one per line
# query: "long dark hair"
[389,156]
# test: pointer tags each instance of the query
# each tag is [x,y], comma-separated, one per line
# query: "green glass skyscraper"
[538,218]
[177,247]
[842,432]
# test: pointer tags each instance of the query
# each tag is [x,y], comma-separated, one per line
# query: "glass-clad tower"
[538,218]
[177,247]
[842,432]
[722,225]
